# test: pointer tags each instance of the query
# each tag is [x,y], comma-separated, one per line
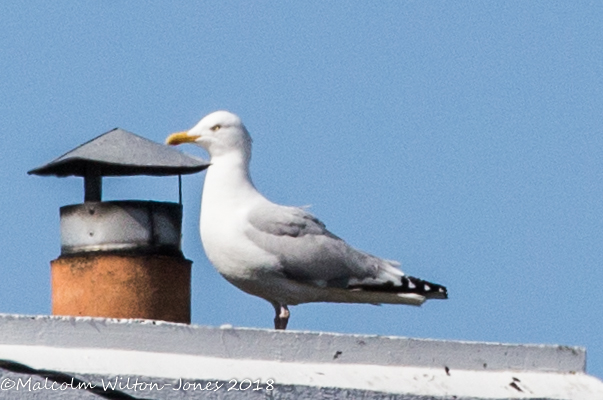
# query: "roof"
[155,359]
[122,153]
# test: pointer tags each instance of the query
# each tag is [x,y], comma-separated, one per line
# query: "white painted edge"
[285,346]
[392,379]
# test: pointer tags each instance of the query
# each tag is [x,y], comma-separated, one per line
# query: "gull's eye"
[215,127]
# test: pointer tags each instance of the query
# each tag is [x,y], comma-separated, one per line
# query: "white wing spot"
[427,287]
[411,285]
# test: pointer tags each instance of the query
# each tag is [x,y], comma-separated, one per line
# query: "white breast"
[224,209]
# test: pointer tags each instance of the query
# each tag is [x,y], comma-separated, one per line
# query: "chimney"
[121,259]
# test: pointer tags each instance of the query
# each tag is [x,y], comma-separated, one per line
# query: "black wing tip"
[430,290]
[408,284]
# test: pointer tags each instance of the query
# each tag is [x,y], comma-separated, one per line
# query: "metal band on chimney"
[141,226]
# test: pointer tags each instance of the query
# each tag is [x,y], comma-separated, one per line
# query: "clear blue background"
[462,138]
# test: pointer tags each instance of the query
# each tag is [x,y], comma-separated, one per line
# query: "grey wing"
[308,252]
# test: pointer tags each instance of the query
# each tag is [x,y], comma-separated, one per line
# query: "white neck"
[227,181]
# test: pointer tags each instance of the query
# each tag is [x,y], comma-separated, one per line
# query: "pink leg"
[282,316]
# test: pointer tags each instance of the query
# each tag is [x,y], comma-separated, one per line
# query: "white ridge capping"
[285,346]
[413,368]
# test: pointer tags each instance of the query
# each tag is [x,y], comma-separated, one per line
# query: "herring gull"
[282,254]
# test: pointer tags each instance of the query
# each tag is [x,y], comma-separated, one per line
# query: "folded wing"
[309,253]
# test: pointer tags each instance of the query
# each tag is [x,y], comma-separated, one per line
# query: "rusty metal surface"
[122,286]
[143,226]
[122,153]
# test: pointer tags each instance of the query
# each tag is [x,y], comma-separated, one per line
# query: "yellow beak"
[181,137]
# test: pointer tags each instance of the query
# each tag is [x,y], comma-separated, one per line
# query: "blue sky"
[463,139]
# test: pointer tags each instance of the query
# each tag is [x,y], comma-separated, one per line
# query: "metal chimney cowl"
[121,259]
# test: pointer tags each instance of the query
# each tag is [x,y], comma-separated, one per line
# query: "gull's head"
[219,133]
